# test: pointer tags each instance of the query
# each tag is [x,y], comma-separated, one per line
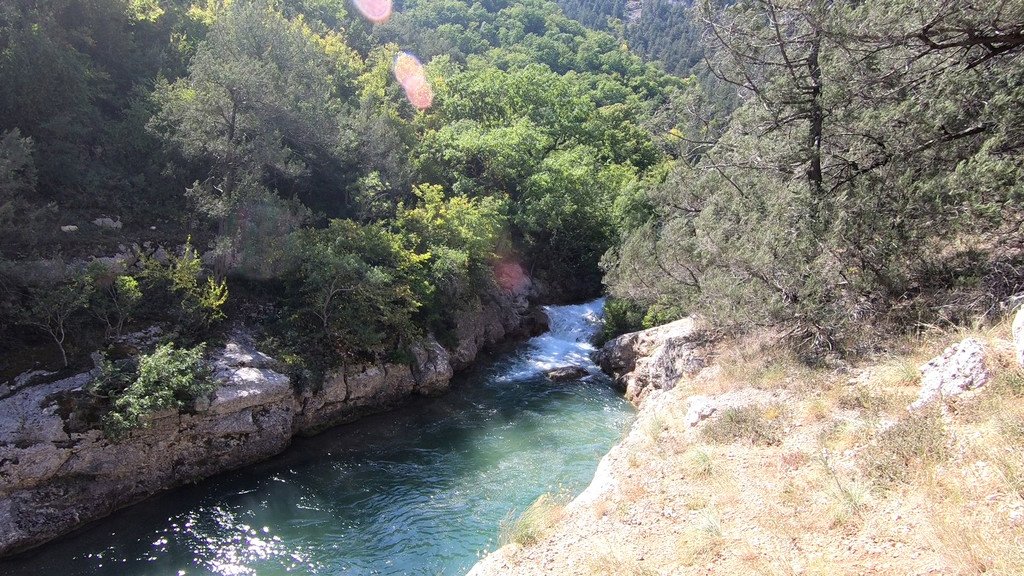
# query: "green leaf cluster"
[169,378]
[360,286]
[196,301]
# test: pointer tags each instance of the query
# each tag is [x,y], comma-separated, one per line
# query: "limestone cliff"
[653,359]
[56,473]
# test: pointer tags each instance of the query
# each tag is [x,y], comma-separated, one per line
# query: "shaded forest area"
[345,182]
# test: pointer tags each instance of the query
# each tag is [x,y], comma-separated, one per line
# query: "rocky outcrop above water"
[487,321]
[654,359]
[58,472]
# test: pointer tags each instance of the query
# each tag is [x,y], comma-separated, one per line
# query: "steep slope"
[757,465]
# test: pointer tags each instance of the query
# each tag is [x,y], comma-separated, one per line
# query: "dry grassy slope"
[828,473]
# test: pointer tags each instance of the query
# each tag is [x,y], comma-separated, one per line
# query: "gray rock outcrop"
[55,475]
[960,368]
[109,223]
[653,359]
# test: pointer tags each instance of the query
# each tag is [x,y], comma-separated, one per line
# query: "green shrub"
[116,298]
[461,235]
[662,313]
[358,290]
[168,378]
[620,317]
[53,309]
[196,304]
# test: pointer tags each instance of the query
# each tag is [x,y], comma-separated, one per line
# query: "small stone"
[1017,517]
[699,408]
[1018,335]
[69,228]
[108,223]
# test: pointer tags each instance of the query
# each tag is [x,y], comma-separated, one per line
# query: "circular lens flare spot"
[408,69]
[376,11]
[420,95]
[413,77]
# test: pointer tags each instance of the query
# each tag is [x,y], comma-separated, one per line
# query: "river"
[420,490]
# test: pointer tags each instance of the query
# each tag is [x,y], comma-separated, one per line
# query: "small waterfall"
[566,343]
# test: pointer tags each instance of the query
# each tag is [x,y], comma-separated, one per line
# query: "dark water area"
[420,490]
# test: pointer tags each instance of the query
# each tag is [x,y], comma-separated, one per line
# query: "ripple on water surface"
[417,491]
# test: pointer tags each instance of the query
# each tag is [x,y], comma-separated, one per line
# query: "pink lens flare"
[510,275]
[408,69]
[420,94]
[376,11]
[413,78]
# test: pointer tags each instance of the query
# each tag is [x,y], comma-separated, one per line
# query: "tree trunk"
[817,120]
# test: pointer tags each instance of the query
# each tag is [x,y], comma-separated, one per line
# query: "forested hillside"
[666,31]
[347,176]
[305,153]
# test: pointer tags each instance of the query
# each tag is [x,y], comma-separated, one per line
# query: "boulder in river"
[563,373]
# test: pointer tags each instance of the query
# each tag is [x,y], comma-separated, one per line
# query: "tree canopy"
[812,164]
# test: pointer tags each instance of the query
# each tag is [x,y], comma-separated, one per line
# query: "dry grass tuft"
[817,409]
[654,425]
[764,360]
[860,398]
[911,445]
[701,543]
[530,526]
[977,539]
[758,425]
[700,464]
[606,565]
[1009,382]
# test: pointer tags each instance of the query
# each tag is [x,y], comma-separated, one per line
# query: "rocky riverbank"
[744,461]
[57,473]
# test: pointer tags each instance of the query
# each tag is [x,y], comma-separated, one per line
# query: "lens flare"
[408,69]
[420,95]
[413,78]
[510,275]
[376,11]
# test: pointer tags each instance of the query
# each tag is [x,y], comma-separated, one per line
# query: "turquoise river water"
[421,490]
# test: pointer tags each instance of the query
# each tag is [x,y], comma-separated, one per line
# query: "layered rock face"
[55,476]
[654,359]
[57,473]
